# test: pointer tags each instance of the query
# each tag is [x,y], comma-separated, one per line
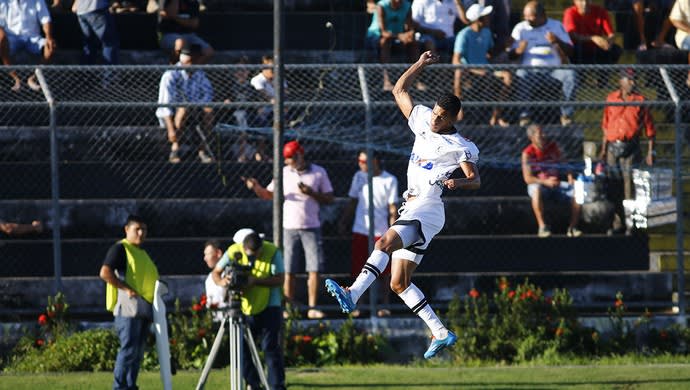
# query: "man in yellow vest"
[261,301]
[131,277]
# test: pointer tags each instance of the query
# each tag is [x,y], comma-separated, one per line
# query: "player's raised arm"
[401,90]
[471,181]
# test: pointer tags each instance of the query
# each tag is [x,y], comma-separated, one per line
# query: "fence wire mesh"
[113,155]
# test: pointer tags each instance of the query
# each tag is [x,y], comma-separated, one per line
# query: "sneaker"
[205,158]
[544,232]
[574,232]
[315,314]
[566,120]
[342,295]
[438,345]
[174,156]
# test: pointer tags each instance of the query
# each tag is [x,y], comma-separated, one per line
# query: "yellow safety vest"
[141,275]
[255,298]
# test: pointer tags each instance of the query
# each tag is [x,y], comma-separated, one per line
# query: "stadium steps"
[22,298]
[207,217]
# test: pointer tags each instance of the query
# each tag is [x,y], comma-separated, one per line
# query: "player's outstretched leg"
[341,294]
[442,337]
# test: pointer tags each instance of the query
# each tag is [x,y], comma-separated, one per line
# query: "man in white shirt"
[215,294]
[680,18]
[435,21]
[185,85]
[263,84]
[438,151]
[21,23]
[542,43]
[385,196]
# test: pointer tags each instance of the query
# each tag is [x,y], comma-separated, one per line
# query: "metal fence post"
[373,293]
[679,196]
[55,181]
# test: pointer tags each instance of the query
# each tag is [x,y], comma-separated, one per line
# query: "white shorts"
[428,217]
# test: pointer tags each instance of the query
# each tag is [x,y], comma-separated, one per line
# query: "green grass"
[624,376]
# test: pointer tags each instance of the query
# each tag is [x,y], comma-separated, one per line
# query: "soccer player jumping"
[437,152]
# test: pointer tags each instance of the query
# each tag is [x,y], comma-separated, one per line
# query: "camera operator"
[255,268]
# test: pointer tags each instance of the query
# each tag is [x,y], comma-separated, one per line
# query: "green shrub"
[91,350]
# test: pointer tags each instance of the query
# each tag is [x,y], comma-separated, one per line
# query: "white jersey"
[434,156]
[385,193]
[215,295]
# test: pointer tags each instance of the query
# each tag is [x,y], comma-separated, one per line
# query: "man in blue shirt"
[473,46]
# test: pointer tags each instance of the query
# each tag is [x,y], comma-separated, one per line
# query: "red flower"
[202,301]
[523,296]
[52,313]
[40,342]
[511,294]
[503,285]
[531,294]
[307,339]
[619,303]
[173,341]
[559,331]
[202,332]
[59,306]
[474,293]
[197,307]
[42,319]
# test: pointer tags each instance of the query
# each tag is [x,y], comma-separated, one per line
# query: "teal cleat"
[342,295]
[438,345]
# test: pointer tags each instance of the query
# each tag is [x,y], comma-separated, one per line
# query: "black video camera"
[236,273]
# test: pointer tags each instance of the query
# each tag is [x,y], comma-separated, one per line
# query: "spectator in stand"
[263,84]
[590,29]
[241,90]
[541,161]
[385,191]
[541,41]
[14,229]
[125,6]
[500,27]
[620,146]
[473,46]
[20,29]
[435,22]
[185,85]
[391,25]
[98,31]
[215,294]
[306,187]
[179,20]
[652,22]
[680,18]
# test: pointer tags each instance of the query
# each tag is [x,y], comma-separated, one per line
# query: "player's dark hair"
[253,242]
[450,103]
[212,243]
[133,218]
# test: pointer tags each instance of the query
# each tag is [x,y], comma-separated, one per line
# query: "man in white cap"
[473,45]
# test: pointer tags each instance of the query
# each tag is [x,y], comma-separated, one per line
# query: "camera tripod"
[232,315]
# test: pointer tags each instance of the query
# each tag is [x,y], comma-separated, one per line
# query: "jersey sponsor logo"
[420,162]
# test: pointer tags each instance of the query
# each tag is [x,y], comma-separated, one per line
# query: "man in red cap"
[306,186]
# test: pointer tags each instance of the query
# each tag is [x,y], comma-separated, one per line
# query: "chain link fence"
[110,157]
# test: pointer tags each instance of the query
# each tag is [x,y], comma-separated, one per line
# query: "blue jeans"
[529,78]
[266,327]
[132,333]
[100,35]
